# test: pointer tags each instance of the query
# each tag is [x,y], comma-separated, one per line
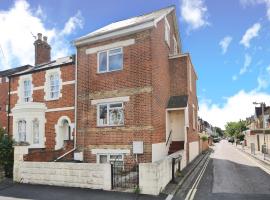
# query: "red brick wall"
[67,100]
[3,102]
[145,65]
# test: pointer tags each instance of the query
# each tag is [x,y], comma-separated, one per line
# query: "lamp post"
[262,106]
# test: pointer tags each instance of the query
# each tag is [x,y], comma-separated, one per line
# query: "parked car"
[216,139]
[231,140]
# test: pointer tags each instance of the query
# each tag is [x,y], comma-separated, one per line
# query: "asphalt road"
[41,192]
[229,174]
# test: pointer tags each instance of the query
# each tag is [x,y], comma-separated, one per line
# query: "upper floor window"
[110,114]
[110,60]
[22,130]
[27,90]
[54,86]
[167,32]
[35,131]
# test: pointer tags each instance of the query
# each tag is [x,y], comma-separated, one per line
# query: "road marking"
[255,162]
[193,190]
[169,197]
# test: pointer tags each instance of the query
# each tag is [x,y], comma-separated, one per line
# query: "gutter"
[75,129]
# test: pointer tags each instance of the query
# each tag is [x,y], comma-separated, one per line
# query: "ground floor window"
[22,130]
[117,159]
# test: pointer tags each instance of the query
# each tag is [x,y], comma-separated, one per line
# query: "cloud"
[263,79]
[224,43]
[255,2]
[235,77]
[239,106]
[16,40]
[194,13]
[250,34]
[247,63]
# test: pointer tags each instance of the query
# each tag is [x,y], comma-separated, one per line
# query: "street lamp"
[262,106]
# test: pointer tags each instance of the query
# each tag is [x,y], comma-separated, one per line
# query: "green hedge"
[6,153]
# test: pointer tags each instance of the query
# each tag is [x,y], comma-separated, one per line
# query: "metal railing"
[169,138]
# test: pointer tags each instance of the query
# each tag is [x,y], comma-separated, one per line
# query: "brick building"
[136,88]
[42,104]
[131,92]
[4,91]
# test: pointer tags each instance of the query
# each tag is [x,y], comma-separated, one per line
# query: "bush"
[6,153]
[204,138]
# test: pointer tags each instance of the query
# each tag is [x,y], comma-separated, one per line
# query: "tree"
[6,152]
[219,131]
[235,129]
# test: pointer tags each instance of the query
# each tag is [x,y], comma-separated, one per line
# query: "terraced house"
[136,93]
[128,97]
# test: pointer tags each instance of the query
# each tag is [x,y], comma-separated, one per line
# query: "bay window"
[110,114]
[110,60]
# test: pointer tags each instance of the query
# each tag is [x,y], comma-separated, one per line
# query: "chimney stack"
[42,50]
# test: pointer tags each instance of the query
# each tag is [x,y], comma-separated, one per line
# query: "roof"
[178,101]
[14,70]
[258,110]
[51,64]
[131,22]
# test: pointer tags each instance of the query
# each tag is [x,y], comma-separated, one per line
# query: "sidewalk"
[258,155]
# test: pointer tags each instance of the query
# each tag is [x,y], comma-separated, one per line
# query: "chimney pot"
[45,38]
[39,36]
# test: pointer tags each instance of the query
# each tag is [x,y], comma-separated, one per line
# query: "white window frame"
[109,160]
[21,91]
[20,132]
[54,92]
[108,114]
[108,64]
[33,132]
[167,31]
[0,79]
[47,86]
[27,98]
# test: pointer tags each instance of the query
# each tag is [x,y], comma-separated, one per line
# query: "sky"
[228,40]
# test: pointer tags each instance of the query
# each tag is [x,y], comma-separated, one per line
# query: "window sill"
[110,126]
[105,72]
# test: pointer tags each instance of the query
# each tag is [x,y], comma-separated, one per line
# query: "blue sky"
[230,78]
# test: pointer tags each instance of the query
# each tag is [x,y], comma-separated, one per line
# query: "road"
[229,174]
[42,192]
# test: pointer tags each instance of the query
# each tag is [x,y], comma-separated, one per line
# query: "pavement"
[228,174]
[14,191]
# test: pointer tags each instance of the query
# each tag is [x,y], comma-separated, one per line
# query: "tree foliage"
[6,153]
[235,129]
[219,131]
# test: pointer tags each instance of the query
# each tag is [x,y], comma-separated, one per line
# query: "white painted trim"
[110,100]
[60,109]
[14,92]
[117,33]
[123,43]
[110,151]
[169,109]
[68,82]
[21,87]
[39,88]
[59,137]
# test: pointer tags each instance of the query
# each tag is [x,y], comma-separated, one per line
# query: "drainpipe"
[75,129]
[8,110]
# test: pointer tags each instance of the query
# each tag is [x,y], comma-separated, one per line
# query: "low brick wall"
[205,145]
[84,175]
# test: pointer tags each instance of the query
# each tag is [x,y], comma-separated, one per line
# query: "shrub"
[6,153]
[204,138]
